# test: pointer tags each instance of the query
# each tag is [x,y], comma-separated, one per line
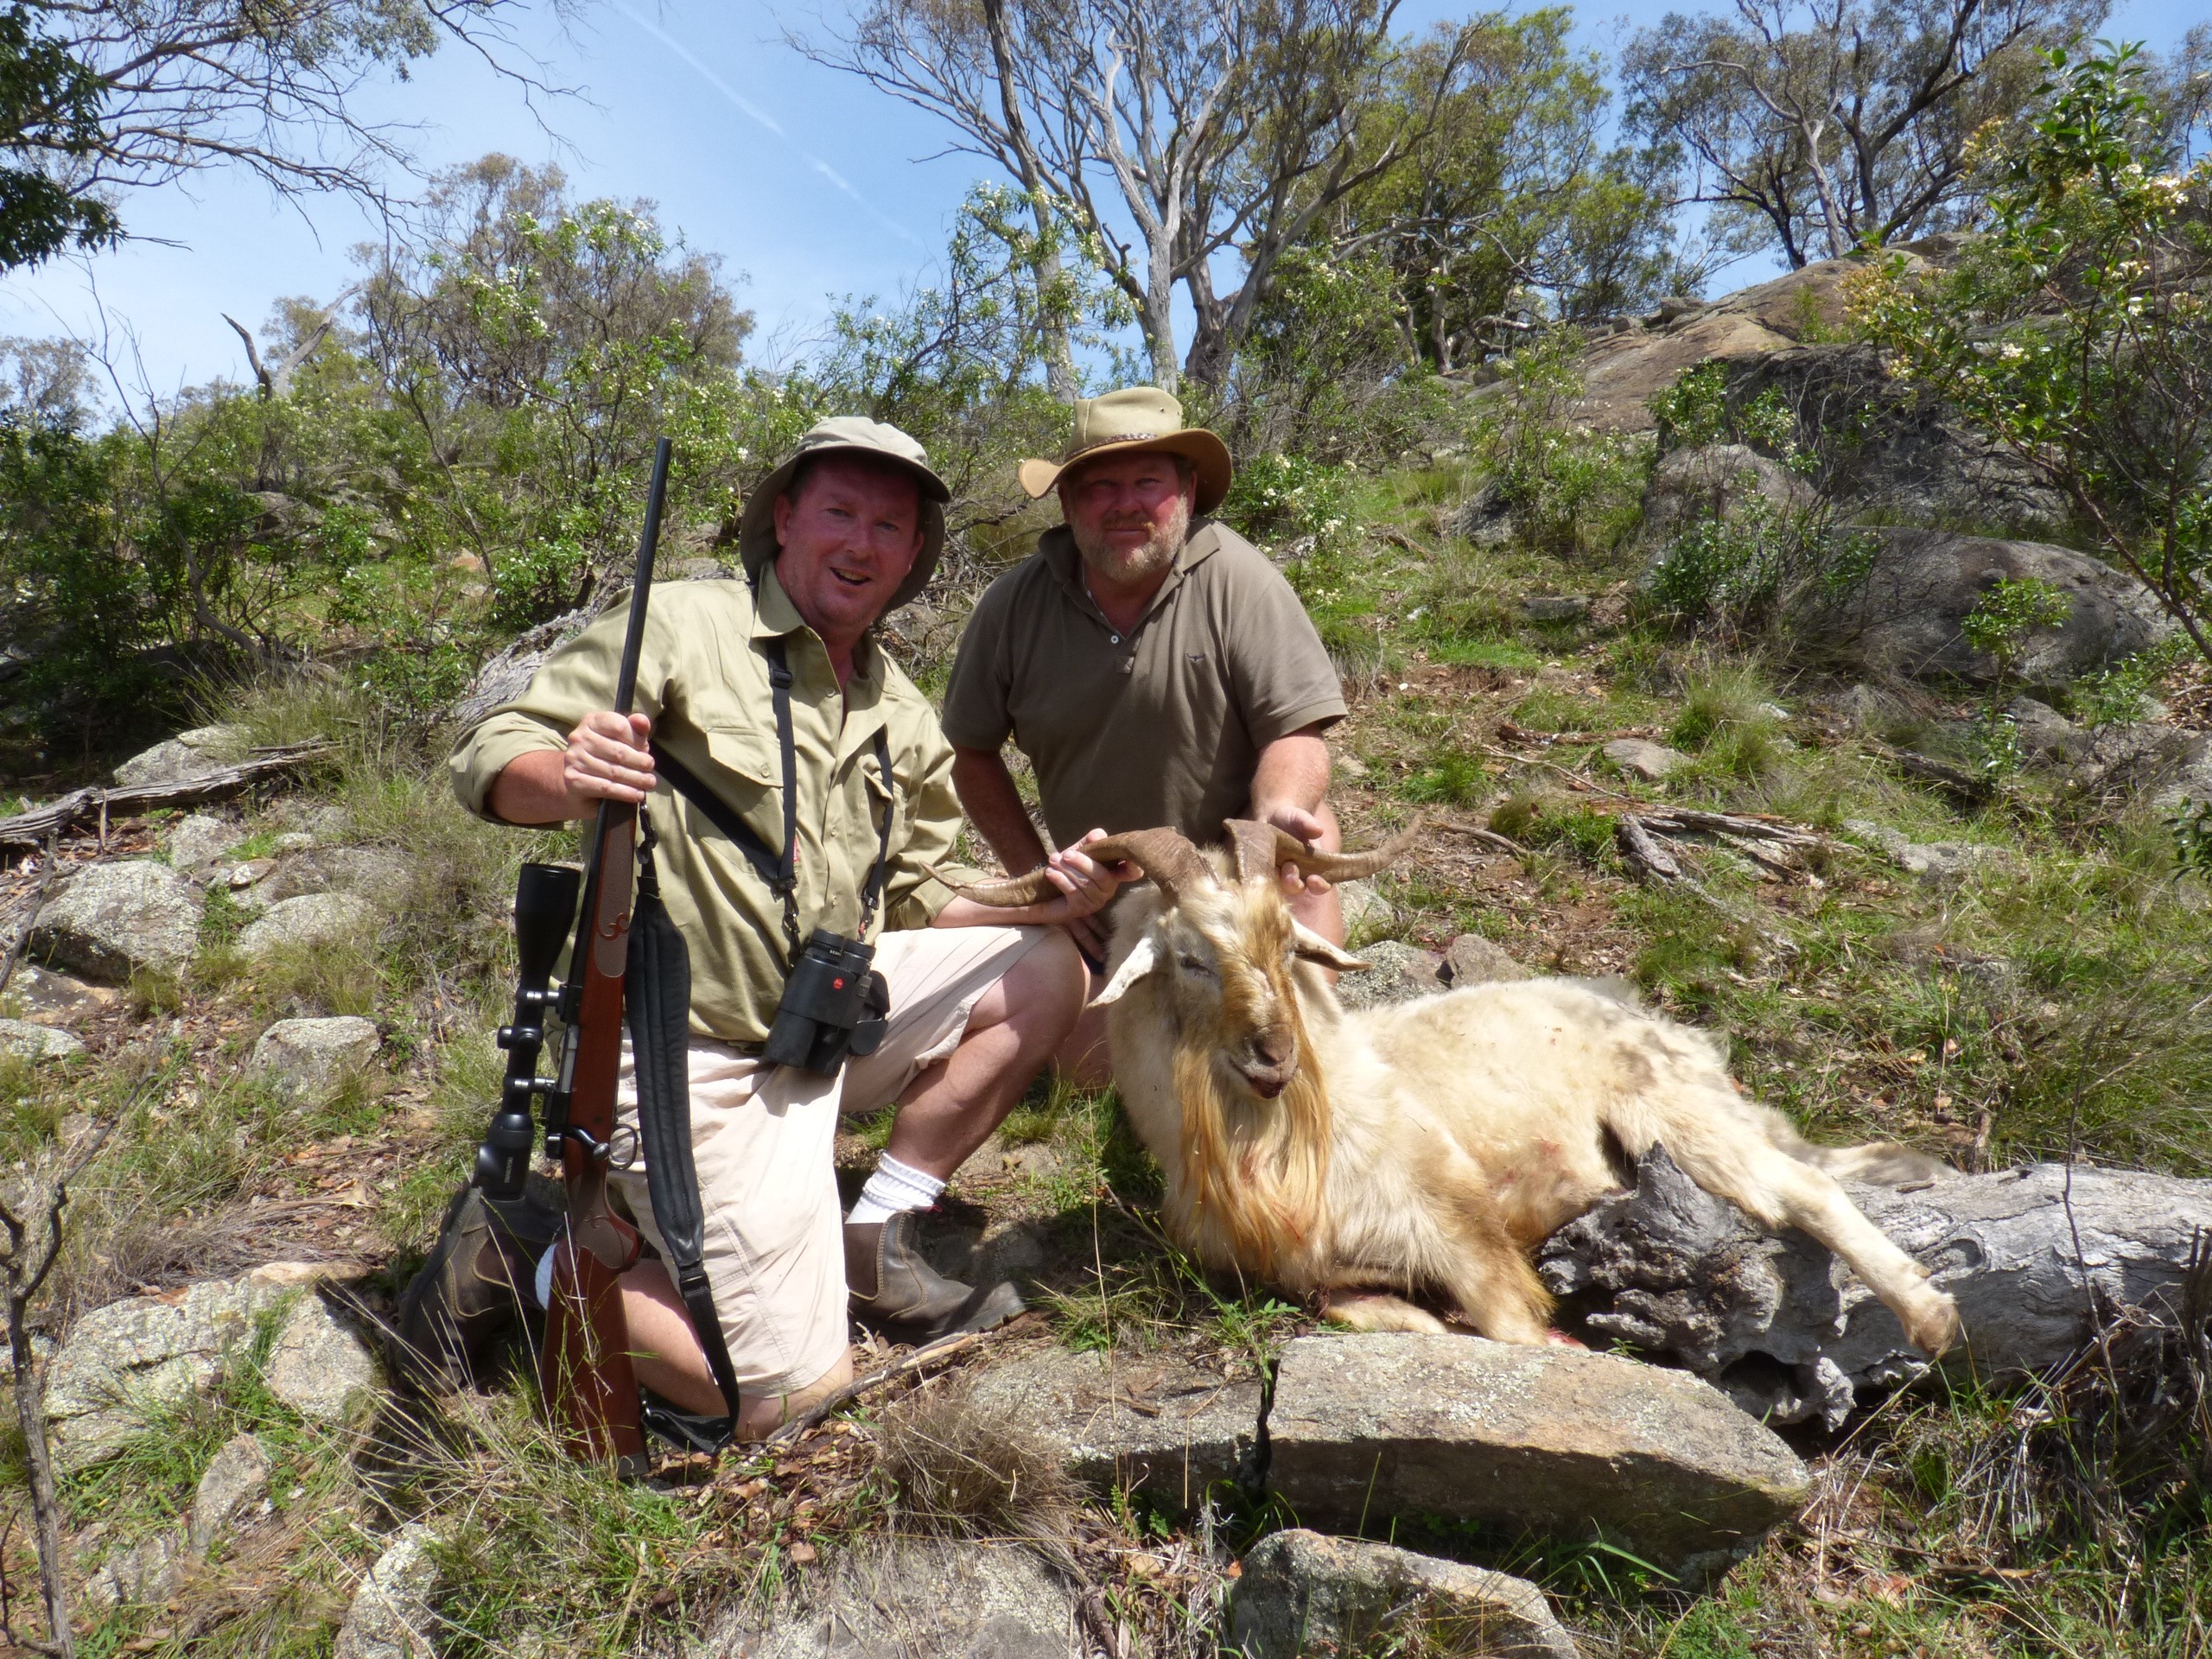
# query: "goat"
[1422,1150]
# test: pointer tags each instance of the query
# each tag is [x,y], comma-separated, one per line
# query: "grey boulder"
[1303,1594]
[152,1351]
[114,919]
[370,871]
[313,919]
[1364,906]
[236,1480]
[310,1057]
[1640,758]
[1396,972]
[37,1043]
[46,996]
[1157,1423]
[319,1367]
[1471,959]
[1934,860]
[970,1600]
[1731,482]
[188,754]
[1907,458]
[1520,1438]
[391,1616]
[200,838]
[140,1574]
[1906,617]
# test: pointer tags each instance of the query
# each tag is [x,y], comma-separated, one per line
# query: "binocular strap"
[780,870]
[656,996]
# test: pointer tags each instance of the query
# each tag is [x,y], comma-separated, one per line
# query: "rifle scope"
[545,906]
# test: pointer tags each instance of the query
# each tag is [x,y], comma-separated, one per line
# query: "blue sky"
[807,183]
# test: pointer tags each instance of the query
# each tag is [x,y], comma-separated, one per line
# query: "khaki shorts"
[764,1139]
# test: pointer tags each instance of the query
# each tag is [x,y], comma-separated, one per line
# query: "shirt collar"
[774,616]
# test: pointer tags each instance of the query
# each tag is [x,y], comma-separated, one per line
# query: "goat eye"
[1193,965]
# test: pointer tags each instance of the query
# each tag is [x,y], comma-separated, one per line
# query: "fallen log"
[58,818]
[1651,861]
[2038,1258]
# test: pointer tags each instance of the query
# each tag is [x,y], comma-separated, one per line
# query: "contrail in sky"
[756,114]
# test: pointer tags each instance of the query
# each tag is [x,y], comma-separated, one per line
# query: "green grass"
[1508,654]
[1452,778]
[2064,1000]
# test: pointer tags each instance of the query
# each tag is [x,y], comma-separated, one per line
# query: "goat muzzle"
[1269,1062]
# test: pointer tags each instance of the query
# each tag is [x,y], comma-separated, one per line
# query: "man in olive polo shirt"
[1152,663]
[847,528]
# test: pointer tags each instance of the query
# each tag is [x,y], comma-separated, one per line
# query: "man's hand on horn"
[1296,821]
[1085,886]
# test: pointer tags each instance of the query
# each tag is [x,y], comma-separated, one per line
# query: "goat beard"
[1257,1170]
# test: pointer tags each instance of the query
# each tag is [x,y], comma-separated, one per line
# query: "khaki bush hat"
[1136,417]
[756,528]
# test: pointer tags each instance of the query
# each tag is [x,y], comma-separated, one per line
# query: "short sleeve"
[977,698]
[1279,673]
[577,679]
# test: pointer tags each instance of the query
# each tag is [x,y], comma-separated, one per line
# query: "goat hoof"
[1934,1325]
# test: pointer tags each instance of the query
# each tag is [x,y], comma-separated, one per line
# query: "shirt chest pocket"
[748,777]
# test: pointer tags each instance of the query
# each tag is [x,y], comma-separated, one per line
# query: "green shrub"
[1694,412]
[1735,570]
[1573,489]
[2009,615]
[2115,695]
[1281,498]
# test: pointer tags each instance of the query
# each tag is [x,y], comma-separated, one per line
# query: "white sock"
[894,1187]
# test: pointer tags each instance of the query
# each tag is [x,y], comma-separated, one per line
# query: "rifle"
[584,1363]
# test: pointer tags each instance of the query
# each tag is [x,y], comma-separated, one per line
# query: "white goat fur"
[1424,1149]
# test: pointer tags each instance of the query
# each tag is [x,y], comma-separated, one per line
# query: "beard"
[1127,567]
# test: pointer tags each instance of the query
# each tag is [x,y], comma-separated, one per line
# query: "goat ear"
[1312,946]
[1139,962]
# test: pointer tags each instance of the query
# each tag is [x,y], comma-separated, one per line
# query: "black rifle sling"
[657,996]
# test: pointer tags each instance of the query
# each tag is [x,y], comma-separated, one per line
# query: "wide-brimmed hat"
[756,529]
[1136,417]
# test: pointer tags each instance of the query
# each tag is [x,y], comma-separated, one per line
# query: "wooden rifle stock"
[584,1365]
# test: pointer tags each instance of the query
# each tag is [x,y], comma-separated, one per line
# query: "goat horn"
[1166,855]
[1261,848]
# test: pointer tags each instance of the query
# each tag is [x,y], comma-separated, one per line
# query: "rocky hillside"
[1721,666]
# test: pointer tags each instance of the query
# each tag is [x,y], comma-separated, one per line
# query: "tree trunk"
[1060,357]
[2037,1257]
[1157,318]
[46,1503]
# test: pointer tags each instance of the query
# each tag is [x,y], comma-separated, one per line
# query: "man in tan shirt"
[848,527]
[1152,663]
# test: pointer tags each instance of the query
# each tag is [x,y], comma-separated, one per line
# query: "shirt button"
[1113,639]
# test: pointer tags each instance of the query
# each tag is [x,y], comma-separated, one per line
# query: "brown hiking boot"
[471,1291]
[902,1299]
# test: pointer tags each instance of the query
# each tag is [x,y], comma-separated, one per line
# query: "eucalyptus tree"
[99,98]
[1192,143]
[1816,125]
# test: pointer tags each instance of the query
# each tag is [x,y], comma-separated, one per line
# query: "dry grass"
[962,1469]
